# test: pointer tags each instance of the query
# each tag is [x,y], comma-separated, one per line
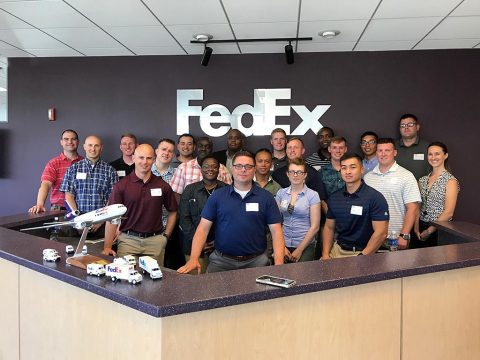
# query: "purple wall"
[111,95]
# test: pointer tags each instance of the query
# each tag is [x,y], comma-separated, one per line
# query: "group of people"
[233,209]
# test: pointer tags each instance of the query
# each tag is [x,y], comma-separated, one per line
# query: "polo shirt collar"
[304,189]
[402,144]
[393,168]
[356,193]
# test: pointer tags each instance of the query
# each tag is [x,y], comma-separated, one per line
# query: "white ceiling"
[31,28]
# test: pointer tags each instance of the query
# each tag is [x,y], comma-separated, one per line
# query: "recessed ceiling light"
[202,37]
[329,34]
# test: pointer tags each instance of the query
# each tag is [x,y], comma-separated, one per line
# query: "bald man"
[144,194]
[88,183]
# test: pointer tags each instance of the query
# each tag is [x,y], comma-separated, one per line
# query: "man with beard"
[321,157]
[235,143]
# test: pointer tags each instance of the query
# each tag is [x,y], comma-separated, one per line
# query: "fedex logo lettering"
[264,112]
[114,269]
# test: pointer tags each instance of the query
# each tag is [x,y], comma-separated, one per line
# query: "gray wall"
[111,95]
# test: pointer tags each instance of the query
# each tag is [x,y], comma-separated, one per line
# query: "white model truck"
[150,265]
[123,272]
[95,269]
[50,255]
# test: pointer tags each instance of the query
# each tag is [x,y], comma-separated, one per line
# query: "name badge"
[284,204]
[317,167]
[251,206]
[356,210]
[156,192]
[81,176]
[121,173]
[419,157]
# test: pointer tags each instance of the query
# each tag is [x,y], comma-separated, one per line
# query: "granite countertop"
[177,294]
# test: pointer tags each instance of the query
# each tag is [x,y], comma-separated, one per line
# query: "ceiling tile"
[414,8]
[265,30]
[468,7]
[83,37]
[66,51]
[105,51]
[43,14]
[464,27]
[313,10]
[319,47]
[250,11]
[263,47]
[29,38]
[385,45]
[184,33]
[350,30]
[158,50]
[186,12]
[8,21]
[447,43]
[399,29]
[115,12]
[142,35]
[14,53]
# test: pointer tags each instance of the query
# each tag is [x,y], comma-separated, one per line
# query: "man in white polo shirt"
[400,189]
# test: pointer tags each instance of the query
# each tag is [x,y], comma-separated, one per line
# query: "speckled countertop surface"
[177,294]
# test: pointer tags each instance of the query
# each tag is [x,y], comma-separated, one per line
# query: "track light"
[206,55]
[289,53]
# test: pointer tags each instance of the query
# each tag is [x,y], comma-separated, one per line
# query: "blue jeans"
[217,262]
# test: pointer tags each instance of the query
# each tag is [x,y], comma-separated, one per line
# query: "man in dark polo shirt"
[144,194]
[357,213]
[241,213]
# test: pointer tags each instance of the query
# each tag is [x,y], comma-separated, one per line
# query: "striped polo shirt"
[399,187]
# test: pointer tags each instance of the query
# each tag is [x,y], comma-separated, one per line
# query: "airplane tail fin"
[70,213]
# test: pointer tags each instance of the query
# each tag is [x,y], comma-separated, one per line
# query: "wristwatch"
[405,236]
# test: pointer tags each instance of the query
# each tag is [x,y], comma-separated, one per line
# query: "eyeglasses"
[408,125]
[241,166]
[371,142]
[296,172]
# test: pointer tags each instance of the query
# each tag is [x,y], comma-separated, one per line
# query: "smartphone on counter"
[275,281]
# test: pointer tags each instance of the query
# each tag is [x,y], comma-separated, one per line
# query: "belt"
[142,235]
[349,248]
[241,257]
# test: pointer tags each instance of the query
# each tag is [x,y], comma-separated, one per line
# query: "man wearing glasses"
[241,212]
[411,150]
[368,144]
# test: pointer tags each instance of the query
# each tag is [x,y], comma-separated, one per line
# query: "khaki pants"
[338,252]
[153,246]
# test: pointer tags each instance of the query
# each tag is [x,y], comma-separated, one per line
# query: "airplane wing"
[50,225]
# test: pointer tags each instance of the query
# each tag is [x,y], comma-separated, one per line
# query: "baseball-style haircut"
[242,135]
[296,138]
[129,135]
[369,133]
[329,129]
[265,150]
[69,130]
[209,156]
[406,116]
[386,141]
[338,139]
[243,153]
[351,156]
[298,162]
[186,135]
[170,141]
[278,130]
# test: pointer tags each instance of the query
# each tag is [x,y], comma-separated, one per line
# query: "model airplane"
[112,213]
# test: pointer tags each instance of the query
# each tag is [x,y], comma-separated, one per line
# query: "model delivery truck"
[123,272]
[150,265]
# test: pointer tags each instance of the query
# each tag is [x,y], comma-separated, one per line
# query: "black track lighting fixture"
[289,53]
[207,52]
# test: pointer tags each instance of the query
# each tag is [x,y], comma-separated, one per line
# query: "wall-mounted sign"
[216,119]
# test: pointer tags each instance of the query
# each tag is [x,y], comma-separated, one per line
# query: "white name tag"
[251,206]
[156,192]
[317,167]
[419,157]
[81,176]
[284,204]
[121,173]
[356,210]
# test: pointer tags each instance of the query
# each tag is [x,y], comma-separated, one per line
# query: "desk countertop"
[177,294]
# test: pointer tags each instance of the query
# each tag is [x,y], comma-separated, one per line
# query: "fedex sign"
[216,119]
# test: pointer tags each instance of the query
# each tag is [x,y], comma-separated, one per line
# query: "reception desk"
[415,304]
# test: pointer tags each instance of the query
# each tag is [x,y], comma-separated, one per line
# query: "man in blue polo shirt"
[357,213]
[241,213]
